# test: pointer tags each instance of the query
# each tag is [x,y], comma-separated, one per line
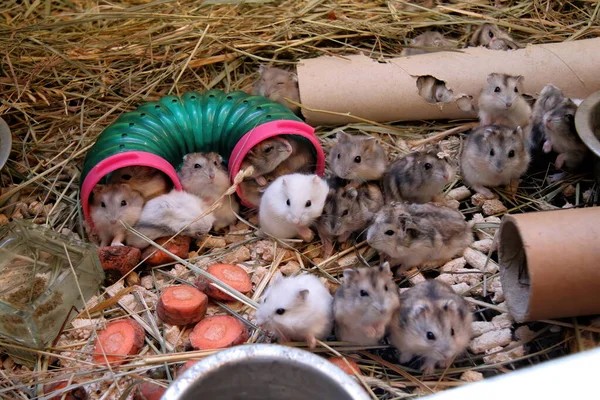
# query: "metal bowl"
[5,142]
[264,371]
[587,124]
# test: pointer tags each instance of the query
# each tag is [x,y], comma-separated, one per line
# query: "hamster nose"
[211,174]
[113,221]
[508,104]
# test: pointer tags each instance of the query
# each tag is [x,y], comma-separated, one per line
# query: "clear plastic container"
[43,276]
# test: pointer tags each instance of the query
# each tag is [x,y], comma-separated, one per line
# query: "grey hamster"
[277,84]
[364,304]
[412,234]
[428,42]
[535,134]
[501,103]
[418,177]
[492,156]
[266,156]
[110,204]
[491,36]
[348,210]
[357,158]
[148,181]
[433,90]
[433,323]
[204,175]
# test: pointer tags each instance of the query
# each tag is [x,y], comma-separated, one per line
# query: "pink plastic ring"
[121,160]
[268,130]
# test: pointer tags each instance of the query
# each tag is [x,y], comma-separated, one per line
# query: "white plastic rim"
[5,142]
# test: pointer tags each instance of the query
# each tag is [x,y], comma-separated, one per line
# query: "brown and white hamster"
[357,158]
[110,204]
[363,306]
[277,84]
[491,36]
[296,308]
[561,136]
[301,160]
[501,103]
[148,181]
[266,156]
[252,192]
[433,90]
[492,156]
[549,98]
[348,210]
[418,177]
[204,175]
[433,323]
[411,234]
[428,42]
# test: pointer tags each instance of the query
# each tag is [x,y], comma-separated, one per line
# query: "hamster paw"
[115,243]
[305,233]
[560,160]
[547,148]
[405,357]
[312,341]
[261,180]
[485,192]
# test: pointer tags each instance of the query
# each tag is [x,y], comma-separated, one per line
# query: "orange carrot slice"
[340,363]
[181,305]
[218,332]
[148,391]
[230,274]
[119,339]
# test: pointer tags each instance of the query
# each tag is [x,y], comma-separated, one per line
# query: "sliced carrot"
[179,245]
[186,366]
[120,339]
[148,391]
[78,393]
[218,332]
[230,274]
[340,363]
[181,305]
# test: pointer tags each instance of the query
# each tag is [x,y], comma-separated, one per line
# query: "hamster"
[364,304]
[357,158]
[170,214]
[411,234]
[276,84]
[291,204]
[204,175]
[148,181]
[433,90]
[266,156]
[418,177]
[491,36]
[427,42]
[296,308]
[252,192]
[347,210]
[433,323]
[561,136]
[501,103]
[535,134]
[110,204]
[302,158]
[494,155]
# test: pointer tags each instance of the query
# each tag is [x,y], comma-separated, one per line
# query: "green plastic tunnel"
[158,134]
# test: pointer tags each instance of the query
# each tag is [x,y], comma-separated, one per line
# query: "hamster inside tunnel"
[158,135]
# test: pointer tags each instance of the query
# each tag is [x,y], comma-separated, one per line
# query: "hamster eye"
[516,90]
[197,166]
[126,177]
[389,232]
[497,90]
[430,336]
[339,155]
[427,166]
[511,154]
[268,149]
[568,117]
[452,332]
[385,288]
[280,311]
[123,203]
[357,159]
[281,83]
[363,293]
[287,202]
[216,163]
[308,203]
[345,213]
[492,152]
[491,34]
[102,205]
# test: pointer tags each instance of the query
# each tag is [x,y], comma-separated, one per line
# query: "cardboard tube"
[384,91]
[550,263]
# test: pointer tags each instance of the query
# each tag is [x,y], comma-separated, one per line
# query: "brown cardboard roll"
[386,90]
[550,263]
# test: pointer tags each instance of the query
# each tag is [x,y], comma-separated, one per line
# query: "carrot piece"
[230,274]
[179,245]
[78,393]
[218,332]
[181,305]
[186,366]
[148,391]
[340,363]
[119,339]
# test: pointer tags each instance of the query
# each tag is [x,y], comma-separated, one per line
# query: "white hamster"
[297,308]
[168,214]
[290,205]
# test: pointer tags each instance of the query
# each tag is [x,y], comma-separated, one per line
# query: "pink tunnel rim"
[266,131]
[122,160]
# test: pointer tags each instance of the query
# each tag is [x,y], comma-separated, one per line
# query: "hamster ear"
[316,180]
[262,69]
[418,309]
[518,131]
[491,77]
[284,182]
[519,79]
[98,188]
[294,77]
[385,268]
[343,137]
[369,143]
[450,305]
[303,294]
[277,278]
[349,274]
[352,193]
[489,131]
